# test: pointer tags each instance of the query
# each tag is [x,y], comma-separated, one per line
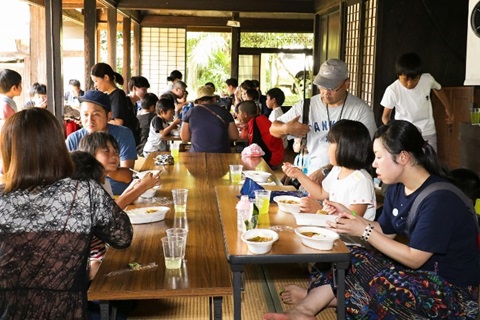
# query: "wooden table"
[288,248]
[206,271]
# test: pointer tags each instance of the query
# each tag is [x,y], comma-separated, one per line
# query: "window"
[163,50]
[360,47]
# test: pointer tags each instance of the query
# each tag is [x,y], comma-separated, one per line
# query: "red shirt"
[259,133]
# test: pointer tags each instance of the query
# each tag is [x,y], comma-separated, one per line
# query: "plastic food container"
[259,241]
[257,176]
[288,203]
[322,239]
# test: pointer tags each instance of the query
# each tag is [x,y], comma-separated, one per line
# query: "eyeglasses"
[335,89]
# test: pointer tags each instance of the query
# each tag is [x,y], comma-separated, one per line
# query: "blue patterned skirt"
[379,288]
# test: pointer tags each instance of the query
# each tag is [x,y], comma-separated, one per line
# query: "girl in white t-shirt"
[349,183]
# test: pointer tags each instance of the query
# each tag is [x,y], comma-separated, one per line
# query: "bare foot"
[290,315]
[292,294]
[275,316]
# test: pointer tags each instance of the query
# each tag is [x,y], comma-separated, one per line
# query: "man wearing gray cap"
[332,104]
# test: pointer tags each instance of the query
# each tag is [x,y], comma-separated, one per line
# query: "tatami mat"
[256,299]
[253,304]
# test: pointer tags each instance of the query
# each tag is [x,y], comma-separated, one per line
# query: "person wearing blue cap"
[95,110]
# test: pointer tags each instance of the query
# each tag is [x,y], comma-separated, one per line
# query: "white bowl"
[323,241]
[259,247]
[142,174]
[288,207]
[313,219]
[150,193]
[257,176]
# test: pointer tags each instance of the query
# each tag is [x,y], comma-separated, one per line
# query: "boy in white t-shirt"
[410,96]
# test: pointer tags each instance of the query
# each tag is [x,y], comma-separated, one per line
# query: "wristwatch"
[325,171]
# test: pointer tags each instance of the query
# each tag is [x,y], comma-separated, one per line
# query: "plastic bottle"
[244,212]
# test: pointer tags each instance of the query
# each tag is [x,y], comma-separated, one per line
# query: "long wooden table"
[206,272]
[287,249]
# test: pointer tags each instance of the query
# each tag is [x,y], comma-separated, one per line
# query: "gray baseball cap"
[332,73]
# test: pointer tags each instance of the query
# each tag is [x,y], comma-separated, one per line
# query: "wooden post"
[90,27]
[126,52]
[53,31]
[235,49]
[136,55]
[112,38]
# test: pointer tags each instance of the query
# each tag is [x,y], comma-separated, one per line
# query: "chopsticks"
[134,171]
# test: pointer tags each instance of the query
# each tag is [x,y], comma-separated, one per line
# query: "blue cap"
[97,97]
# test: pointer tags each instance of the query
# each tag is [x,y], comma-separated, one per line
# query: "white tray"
[140,215]
[313,219]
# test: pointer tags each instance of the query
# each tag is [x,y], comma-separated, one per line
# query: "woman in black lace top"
[47,221]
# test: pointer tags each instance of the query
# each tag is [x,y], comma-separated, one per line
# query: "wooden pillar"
[112,38]
[37,67]
[235,49]
[126,52]
[136,54]
[317,49]
[53,32]
[90,27]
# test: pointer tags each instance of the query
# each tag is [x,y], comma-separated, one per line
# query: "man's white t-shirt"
[317,145]
[413,105]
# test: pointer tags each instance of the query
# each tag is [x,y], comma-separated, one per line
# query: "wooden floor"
[260,296]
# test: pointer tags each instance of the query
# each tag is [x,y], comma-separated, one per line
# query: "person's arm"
[314,189]
[293,127]
[446,103]
[123,173]
[232,131]
[356,226]
[185,134]
[318,175]
[165,132]
[138,188]
[7,111]
[386,115]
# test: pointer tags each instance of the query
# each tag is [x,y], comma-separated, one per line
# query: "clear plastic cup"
[173,251]
[236,173]
[179,232]
[262,201]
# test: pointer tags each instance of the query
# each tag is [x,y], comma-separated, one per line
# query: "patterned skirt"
[379,288]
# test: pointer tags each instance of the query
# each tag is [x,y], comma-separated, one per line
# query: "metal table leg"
[340,274]
[215,308]
[104,310]
[237,291]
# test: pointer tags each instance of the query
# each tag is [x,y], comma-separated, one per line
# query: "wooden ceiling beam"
[74,16]
[133,14]
[110,4]
[247,24]
[296,6]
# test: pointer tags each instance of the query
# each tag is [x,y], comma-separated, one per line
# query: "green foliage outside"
[208,60]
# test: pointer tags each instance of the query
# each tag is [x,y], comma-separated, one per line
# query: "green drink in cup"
[236,173]
[262,201]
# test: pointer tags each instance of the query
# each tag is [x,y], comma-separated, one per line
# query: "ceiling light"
[233,23]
